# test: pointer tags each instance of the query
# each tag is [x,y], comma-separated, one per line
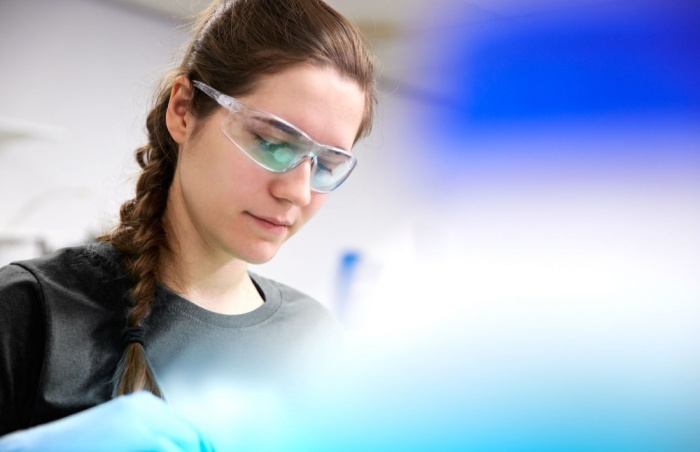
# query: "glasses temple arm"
[220,98]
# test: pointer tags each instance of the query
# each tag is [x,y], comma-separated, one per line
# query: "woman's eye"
[280,151]
[271,145]
[323,168]
[268,145]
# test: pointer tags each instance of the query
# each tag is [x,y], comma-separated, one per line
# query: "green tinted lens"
[277,155]
[269,145]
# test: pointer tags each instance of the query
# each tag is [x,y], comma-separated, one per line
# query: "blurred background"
[516,257]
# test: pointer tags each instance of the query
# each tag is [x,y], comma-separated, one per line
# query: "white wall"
[81,72]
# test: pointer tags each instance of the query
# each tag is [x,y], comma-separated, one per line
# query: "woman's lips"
[276,225]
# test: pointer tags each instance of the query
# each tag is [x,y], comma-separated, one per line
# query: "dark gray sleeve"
[22,339]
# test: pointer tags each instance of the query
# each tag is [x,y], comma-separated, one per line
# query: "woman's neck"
[208,277]
[216,282]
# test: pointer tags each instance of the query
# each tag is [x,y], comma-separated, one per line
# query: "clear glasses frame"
[330,166]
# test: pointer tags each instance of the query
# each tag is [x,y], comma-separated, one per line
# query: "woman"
[247,137]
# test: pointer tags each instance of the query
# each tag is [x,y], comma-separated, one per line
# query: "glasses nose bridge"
[312,154]
[314,149]
[313,162]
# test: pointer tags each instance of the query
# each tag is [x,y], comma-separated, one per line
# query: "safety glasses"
[279,146]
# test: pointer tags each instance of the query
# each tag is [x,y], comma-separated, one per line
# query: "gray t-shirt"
[61,318]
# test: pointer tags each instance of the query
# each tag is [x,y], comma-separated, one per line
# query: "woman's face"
[221,202]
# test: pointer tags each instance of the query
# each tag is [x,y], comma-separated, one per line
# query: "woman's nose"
[295,184]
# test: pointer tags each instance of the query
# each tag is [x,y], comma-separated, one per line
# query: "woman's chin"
[259,256]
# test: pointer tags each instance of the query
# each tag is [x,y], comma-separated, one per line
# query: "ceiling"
[394,23]
[397,14]
[384,22]
[380,19]
[398,29]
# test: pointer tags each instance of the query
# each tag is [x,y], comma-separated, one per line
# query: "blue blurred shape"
[616,59]
[349,261]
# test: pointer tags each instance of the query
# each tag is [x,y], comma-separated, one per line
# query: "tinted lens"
[278,147]
[331,169]
[270,145]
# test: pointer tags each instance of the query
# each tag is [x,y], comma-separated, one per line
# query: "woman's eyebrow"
[289,129]
[286,128]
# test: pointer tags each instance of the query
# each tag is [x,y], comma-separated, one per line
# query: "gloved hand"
[134,422]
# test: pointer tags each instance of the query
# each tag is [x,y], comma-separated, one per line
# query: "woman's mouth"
[275,225]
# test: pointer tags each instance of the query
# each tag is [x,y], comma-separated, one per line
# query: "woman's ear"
[177,117]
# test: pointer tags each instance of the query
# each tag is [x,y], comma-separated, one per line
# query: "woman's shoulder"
[296,307]
[88,264]
[91,270]
[274,291]
[96,256]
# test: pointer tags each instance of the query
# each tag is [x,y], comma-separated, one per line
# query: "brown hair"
[234,44]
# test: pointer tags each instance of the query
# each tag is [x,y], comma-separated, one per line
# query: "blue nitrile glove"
[134,422]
